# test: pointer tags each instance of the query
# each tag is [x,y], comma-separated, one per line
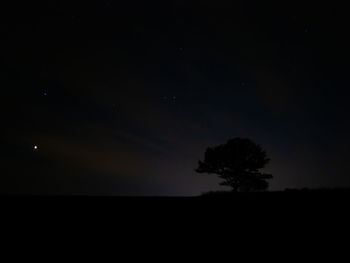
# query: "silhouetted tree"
[238,163]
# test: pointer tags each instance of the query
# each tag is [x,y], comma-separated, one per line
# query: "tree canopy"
[238,163]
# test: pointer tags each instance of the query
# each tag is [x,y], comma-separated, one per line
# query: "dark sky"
[123,97]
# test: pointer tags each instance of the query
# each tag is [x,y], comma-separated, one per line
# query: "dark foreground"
[287,211]
[227,201]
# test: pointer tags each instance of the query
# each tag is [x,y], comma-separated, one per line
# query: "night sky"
[123,97]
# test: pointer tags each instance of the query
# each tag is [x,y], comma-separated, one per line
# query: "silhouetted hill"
[288,200]
[285,192]
[302,206]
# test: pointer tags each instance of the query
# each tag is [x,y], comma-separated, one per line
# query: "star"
[35,147]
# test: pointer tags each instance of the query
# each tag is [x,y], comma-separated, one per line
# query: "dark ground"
[291,213]
[289,199]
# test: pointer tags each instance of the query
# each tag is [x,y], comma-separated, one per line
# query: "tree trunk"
[234,188]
